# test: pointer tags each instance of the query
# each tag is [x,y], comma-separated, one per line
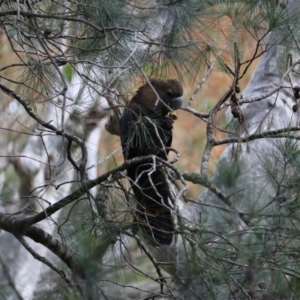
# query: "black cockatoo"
[146,129]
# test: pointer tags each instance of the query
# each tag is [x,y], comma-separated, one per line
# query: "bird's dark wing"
[144,132]
[147,130]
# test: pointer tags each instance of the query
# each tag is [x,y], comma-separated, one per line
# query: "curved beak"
[176,102]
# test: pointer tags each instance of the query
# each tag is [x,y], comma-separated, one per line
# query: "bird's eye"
[169,92]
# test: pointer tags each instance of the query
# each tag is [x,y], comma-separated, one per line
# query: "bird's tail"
[157,226]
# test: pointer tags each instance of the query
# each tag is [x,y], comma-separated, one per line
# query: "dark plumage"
[146,129]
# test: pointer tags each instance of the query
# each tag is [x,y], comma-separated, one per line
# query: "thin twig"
[45,261]
[9,278]
[204,78]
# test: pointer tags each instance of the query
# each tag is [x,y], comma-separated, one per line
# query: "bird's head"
[160,95]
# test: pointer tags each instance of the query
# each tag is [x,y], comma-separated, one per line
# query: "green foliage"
[68,72]
[262,252]
[107,44]
[105,32]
